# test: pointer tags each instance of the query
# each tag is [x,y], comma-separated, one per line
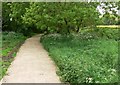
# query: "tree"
[60,17]
[12,13]
[5,14]
[109,14]
[49,17]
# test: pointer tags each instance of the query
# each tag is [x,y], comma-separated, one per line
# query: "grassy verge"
[84,59]
[11,41]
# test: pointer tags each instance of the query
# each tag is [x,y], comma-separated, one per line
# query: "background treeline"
[29,17]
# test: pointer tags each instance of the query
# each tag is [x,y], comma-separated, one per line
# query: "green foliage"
[30,17]
[60,17]
[83,60]
[97,33]
[9,41]
[110,16]
[109,19]
[108,33]
[5,14]
[48,17]
[12,13]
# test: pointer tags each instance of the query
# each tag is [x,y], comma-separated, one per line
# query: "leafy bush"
[97,33]
[109,33]
[83,60]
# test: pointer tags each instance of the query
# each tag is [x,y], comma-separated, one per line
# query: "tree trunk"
[78,28]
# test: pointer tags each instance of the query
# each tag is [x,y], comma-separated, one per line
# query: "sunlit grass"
[108,26]
[83,60]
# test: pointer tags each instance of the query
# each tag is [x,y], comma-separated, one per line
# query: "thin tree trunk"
[78,28]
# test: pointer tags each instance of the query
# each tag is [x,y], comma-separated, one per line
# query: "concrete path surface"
[32,65]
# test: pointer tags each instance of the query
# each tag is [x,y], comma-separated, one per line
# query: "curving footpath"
[32,65]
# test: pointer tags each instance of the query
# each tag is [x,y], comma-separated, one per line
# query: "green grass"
[9,41]
[82,60]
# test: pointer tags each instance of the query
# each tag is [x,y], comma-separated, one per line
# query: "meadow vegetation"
[86,57]
[11,41]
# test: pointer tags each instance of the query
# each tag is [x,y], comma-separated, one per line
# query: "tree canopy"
[49,17]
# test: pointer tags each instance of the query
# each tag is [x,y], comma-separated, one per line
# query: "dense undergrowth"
[89,57]
[10,44]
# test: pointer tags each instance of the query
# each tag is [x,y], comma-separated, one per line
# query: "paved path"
[32,65]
